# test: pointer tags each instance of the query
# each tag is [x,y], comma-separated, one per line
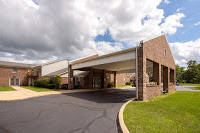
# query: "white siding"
[114,58]
[52,67]
[64,75]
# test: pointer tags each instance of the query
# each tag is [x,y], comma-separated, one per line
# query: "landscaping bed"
[47,84]
[179,112]
[6,88]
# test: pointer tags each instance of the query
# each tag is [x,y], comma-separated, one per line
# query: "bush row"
[49,83]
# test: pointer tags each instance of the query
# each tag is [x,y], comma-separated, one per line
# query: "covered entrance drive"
[145,61]
[101,68]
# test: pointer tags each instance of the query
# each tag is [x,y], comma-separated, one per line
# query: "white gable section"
[54,66]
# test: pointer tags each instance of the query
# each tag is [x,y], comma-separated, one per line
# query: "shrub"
[52,86]
[111,84]
[128,83]
[36,83]
[183,81]
[58,80]
[77,86]
[52,80]
[64,86]
[42,83]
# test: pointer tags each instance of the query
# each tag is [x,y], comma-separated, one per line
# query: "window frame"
[165,53]
[14,70]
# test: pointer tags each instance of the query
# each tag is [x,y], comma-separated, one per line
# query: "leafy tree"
[179,73]
[197,77]
[58,80]
[191,71]
[192,64]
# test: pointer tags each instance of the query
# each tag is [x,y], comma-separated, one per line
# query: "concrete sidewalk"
[23,93]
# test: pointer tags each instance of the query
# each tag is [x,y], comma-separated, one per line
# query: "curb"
[122,125]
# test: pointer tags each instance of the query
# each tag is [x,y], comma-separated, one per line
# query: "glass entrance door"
[96,82]
[14,81]
[17,81]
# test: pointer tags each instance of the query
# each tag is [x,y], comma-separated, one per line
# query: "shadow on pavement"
[105,96]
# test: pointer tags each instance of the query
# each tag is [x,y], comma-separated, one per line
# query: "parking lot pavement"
[89,112]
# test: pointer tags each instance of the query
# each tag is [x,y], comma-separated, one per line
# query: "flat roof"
[102,56]
[15,64]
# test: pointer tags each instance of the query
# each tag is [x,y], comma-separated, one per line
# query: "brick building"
[151,62]
[153,57]
[14,73]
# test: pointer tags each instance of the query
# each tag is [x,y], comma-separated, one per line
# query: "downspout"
[136,57]
[31,78]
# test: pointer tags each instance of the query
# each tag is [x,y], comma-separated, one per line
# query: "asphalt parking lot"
[81,112]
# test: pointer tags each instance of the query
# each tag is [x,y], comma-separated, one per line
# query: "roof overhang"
[117,61]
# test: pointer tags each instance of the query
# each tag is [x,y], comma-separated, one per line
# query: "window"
[14,70]
[78,81]
[172,81]
[165,53]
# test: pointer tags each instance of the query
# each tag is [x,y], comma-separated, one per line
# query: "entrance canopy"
[122,62]
[142,60]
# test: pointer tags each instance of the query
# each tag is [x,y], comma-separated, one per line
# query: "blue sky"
[192,15]
[191,9]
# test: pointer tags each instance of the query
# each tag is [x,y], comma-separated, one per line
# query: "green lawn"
[6,88]
[37,89]
[175,113]
[192,84]
[196,88]
[124,86]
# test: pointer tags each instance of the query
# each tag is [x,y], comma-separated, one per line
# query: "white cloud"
[19,58]
[172,22]
[167,1]
[198,23]
[183,52]
[66,28]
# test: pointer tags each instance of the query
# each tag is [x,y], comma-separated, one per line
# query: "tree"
[58,80]
[192,64]
[191,75]
[179,73]
[191,71]
[197,77]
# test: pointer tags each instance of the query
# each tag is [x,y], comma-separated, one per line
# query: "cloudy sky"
[37,31]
